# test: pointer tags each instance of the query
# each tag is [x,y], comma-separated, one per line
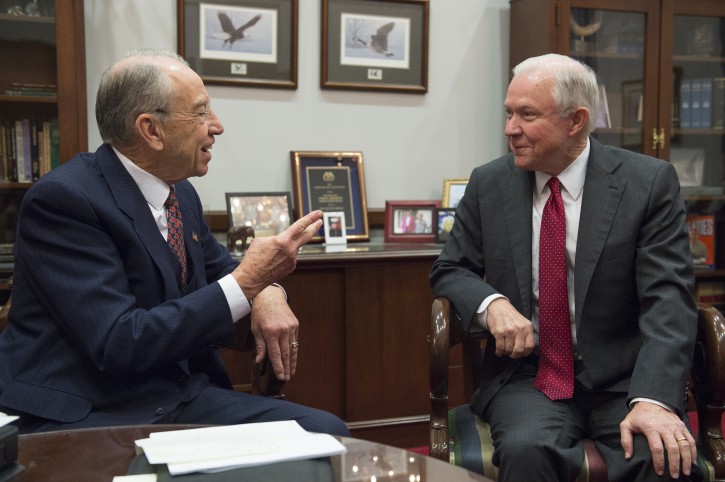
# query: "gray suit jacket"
[98,321]
[635,315]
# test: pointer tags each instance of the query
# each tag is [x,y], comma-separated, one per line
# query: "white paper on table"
[213,449]
[6,419]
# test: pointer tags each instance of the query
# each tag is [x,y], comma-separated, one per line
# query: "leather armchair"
[458,436]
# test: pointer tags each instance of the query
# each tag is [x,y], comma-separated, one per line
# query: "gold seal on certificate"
[334,183]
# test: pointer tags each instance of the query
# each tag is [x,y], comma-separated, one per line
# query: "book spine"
[685,98]
[27,151]
[46,148]
[706,104]
[696,104]
[34,151]
[718,103]
[19,152]
[54,144]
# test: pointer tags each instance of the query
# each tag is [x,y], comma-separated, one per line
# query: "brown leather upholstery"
[707,380]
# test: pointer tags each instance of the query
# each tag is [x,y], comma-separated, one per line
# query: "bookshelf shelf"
[41,54]
[28,99]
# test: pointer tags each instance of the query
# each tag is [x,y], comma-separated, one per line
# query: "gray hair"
[575,84]
[133,85]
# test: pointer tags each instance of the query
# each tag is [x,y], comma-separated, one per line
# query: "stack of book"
[28,148]
[702,103]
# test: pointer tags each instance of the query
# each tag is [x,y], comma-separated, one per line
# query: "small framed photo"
[267,213]
[443,219]
[335,228]
[453,190]
[410,221]
[331,182]
[375,45]
[240,42]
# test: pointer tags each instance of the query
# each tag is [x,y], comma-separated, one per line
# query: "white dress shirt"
[156,191]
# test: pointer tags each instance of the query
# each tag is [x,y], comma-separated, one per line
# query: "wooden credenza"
[364,320]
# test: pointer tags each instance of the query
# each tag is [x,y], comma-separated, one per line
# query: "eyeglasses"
[200,116]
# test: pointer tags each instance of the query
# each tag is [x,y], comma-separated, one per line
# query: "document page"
[212,449]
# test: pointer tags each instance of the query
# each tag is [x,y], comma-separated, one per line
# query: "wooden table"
[99,454]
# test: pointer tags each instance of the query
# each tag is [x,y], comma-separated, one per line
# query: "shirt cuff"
[481,318]
[238,303]
[633,402]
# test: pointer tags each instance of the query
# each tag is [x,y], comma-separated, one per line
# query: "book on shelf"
[685,99]
[718,103]
[701,229]
[710,291]
[706,104]
[696,104]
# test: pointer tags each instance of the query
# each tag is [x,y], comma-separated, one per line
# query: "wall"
[410,143]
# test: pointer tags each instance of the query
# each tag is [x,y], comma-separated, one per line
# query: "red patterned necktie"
[556,352]
[176,232]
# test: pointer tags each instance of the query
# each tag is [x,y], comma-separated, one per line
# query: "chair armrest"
[708,385]
[439,349]
[264,381]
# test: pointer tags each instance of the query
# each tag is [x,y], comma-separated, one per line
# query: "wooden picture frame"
[453,190]
[410,221]
[262,55]
[268,213]
[331,181]
[443,220]
[377,45]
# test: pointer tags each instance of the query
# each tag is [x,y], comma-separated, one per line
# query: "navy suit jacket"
[98,322]
[635,315]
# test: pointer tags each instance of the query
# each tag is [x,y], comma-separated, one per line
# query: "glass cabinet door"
[613,44]
[698,103]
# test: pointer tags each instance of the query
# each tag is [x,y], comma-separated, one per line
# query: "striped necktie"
[176,232]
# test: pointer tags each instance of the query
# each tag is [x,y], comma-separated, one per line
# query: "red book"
[702,240]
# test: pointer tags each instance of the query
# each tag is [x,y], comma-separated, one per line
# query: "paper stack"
[213,449]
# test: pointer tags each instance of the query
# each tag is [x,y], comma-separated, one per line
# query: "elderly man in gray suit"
[575,257]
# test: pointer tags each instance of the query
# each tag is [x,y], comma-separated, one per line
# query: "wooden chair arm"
[708,385]
[264,381]
[439,349]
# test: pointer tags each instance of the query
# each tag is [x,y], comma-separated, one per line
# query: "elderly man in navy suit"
[575,257]
[122,294]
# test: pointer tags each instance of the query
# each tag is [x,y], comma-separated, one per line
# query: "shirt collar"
[154,190]
[572,178]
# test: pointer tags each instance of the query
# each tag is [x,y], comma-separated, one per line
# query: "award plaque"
[331,182]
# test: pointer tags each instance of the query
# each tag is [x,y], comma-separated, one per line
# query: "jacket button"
[160,411]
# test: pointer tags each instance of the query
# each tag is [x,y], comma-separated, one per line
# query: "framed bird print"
[240,42]
[377,45]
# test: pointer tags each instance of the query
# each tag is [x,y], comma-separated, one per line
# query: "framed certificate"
[331,182]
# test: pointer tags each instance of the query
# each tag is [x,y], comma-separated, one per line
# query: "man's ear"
[579,120]
[150,130]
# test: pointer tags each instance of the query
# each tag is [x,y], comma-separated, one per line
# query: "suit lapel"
[131,202]
[601,198]
[518,198]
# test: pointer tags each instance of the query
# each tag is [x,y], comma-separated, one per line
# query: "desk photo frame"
[250,43]
[377,45]
[268,213]
[453,190]
[410,221]
[331,181]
